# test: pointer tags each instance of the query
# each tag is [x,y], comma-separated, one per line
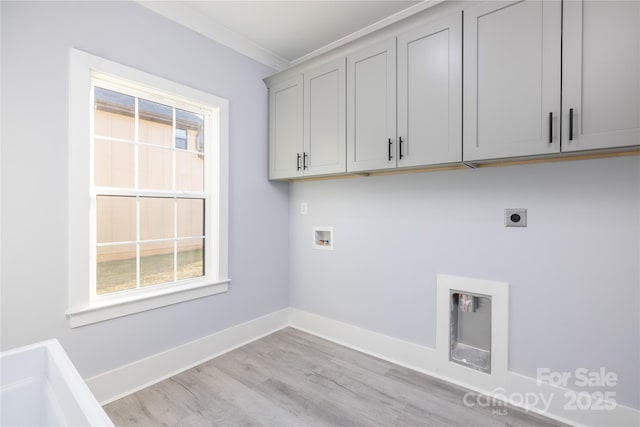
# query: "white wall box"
[512,77]
[428,78]
[601,69]
[322,238]
[307,135]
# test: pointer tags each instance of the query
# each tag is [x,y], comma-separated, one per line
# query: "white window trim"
[83,309]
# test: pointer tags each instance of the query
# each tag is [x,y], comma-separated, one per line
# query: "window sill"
[95,313]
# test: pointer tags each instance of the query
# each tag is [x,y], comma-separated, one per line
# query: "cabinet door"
[511,79]
[601,74]
[430,93]
[371,107]
[285,129]
[325,119]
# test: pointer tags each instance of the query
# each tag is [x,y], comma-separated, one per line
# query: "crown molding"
[190,18]
[385,22]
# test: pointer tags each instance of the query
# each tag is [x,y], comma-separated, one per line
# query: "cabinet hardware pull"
[570,124]
[400,155]
[550,128]
[304,161]
[390,143]
[297,161]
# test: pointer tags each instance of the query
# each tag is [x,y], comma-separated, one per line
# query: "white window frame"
[85,306]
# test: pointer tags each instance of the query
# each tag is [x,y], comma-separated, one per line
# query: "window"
[150,198]
[148,191]
[181,138]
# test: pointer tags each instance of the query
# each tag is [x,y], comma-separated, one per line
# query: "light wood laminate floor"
[291,378]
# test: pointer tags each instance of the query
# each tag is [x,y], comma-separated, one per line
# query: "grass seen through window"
[120,275]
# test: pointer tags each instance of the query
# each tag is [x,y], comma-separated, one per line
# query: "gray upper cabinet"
[511,79]
[430,94]
[540,78]
[371,107]
[428,79]
[325,119]
[285,129]
[601,74]
[307,123]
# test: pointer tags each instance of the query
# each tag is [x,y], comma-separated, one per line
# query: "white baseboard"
[127,379]
[112,385]
[424,359]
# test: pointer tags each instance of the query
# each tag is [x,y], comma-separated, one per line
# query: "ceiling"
[283,33]
[293,29]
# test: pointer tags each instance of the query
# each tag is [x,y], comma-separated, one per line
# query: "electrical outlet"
[303,208]
[515,217]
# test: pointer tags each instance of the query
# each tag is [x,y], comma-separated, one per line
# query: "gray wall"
[573,272]
[36,38]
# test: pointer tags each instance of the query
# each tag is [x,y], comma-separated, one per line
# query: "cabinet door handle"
[550,128]
[570,124]
[400,155]
[297,161]
[390,144]
[304,161]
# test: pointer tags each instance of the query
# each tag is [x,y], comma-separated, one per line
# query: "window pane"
[115,219]
[155,169]
[156,263]
[189,171]
[156,218]
[190,217]
[181,138]
[114,114]
[113,164]
[115,268]
[194,124]
[156,123]
[190,258]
